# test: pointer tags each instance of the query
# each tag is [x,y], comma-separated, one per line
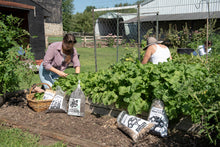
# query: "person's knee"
[46,86]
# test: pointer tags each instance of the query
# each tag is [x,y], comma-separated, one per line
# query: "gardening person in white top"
[203,48]
[156,52]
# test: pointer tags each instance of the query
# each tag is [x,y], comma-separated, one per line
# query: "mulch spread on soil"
[100,130]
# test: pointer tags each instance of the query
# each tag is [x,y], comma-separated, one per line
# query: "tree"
[67,10]
[83,22]
[89,8]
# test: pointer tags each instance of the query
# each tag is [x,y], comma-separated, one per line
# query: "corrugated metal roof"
[113,15]
[175,17]
[165,7]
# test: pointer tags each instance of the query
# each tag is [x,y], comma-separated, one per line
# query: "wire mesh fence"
[117,29]
[131,25]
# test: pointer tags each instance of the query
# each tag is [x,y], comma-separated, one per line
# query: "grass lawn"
[105,57]
[13,137]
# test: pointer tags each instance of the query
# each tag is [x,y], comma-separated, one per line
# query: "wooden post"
[94,22]
[139,32]
[84,43]
[207,39]
[46,41]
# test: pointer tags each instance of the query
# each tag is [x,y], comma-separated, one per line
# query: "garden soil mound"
[90,130]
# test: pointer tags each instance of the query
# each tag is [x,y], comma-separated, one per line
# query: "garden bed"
[93,128]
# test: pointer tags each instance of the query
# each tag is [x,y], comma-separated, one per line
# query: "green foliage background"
[13,69]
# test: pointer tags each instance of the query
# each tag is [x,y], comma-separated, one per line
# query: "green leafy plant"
[185,38]
[188,86]
[12,69]
[110,40]
[39,96]
[132,43]
[178,38]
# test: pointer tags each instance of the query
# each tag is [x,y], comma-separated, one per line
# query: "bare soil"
[90,130]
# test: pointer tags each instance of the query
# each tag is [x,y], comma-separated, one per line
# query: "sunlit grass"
[13,137]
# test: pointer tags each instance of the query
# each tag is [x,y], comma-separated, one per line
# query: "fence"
[151,18]
[119,28]
[101,41]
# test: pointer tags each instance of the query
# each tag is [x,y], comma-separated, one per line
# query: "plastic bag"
[133,126]
[77,102]
[159,118]
[49,94]
[59,103]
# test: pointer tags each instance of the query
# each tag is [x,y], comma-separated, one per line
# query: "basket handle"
[37,85]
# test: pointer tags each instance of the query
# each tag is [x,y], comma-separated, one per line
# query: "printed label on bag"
[56,103]
[156,112]
[134,123]
[158,117]
[74,106]
[48,95]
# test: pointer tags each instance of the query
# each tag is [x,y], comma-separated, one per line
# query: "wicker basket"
[38,105]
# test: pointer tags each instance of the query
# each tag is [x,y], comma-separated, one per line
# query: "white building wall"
[180,6]
[52,29]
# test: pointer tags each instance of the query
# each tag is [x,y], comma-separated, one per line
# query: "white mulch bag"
[159,118]
[49,94]
[59,103]
[133,126]
[77,102]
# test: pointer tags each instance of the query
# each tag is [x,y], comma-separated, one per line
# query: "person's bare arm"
[171,57]
[147,55]
[59,72]
[77,69]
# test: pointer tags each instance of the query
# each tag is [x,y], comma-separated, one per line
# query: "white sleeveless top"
[161,55]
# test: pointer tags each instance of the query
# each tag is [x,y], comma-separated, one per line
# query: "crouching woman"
[57,58]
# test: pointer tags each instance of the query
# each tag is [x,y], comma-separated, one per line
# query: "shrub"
[12,69]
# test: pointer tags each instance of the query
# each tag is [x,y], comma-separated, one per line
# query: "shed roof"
[176,17]
[114,15]
[17,5]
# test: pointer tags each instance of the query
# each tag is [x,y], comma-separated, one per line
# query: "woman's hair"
[68,39]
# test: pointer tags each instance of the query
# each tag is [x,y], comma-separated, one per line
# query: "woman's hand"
[77,70]
[62,74]
[59,72]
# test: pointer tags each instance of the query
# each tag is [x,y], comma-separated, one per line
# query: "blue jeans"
[47,76]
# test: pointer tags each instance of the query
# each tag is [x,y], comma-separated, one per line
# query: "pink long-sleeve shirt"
[55,58]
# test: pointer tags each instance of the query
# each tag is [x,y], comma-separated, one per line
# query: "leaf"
[124,90]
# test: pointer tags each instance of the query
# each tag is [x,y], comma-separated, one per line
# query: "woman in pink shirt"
[57,58]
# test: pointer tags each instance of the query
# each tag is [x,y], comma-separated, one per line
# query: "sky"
[80,5]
